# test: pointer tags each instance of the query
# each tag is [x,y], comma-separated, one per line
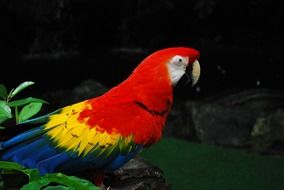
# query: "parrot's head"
[180,64]
[183,65]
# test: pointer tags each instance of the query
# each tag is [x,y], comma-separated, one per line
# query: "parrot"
[104,132]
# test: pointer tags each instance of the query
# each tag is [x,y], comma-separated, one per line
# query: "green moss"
[190,166]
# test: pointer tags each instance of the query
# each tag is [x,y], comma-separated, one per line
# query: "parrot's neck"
[148,89]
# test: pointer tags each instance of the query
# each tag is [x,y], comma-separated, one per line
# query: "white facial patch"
[177,66]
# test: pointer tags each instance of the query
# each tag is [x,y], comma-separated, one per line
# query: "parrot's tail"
[11,131]
[14,130]
[31,150]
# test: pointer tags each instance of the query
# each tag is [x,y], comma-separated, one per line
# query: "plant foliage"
[23,108]
[36,181]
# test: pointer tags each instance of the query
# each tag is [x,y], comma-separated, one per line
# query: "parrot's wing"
[65,144]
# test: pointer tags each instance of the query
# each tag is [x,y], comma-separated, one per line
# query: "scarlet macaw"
[105,132]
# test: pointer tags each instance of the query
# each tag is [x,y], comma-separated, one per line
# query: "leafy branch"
[28,106]
[37,181]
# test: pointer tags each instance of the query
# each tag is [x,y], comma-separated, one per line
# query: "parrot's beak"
[195,73]
[191,75]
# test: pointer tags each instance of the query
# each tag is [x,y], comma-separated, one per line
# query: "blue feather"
[50,164]
[18,150]
[121,159]
[25,151]
[41,154]
[23,137]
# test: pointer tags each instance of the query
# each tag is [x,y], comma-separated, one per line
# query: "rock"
[85,90]
[225,120]
[137,174]
[228,120]
[179,122]
[268,133]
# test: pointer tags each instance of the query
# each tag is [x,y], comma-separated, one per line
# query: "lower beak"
[186,78]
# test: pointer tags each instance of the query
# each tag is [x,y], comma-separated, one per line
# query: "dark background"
[57,44]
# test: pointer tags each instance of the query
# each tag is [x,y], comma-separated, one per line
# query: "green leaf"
[3,119]
[71,181]
[11,166]
[24,101]
[29,110]
[32,173]
[5,111]
[59,178]
[58,187]
[36,181]
[19,88]
[3,92]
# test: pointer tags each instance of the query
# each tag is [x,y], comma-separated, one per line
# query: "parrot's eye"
[177,67]
[179,60]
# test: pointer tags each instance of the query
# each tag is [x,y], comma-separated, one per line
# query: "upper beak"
[195,73]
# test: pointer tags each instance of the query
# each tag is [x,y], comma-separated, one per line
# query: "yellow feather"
[70,134]
[88,148]
[55,131]
[66,141]
[73,145]
[84,142]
